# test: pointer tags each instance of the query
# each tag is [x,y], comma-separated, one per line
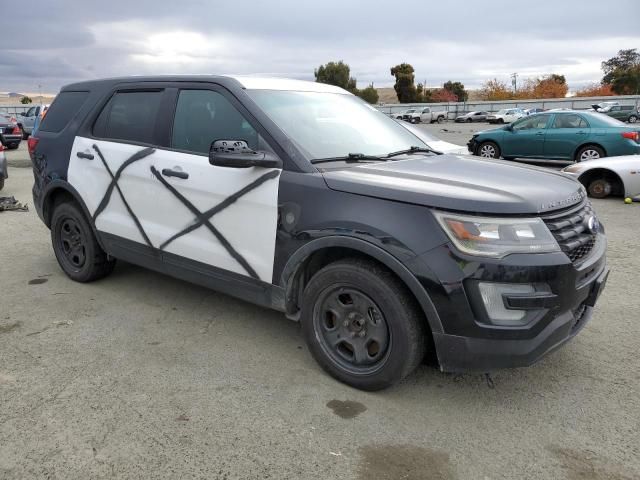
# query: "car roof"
[245,82]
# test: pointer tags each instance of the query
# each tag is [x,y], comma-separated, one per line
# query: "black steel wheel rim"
[351,329]
[72,242]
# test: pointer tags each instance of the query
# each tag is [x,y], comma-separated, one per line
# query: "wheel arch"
[601,172]
[58,191]
[313,256]
[589,144]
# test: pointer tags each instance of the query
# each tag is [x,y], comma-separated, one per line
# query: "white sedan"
[434,142]
[609,176]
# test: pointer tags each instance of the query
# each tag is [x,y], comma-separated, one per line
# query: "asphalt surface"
[143,376]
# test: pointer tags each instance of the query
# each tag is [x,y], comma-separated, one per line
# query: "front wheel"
[75,245]
[600,188]
[362,325]
[590,152]
[500,120]
[488,150]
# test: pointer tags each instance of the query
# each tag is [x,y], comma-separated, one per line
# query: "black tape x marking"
[114,184]
[202,218]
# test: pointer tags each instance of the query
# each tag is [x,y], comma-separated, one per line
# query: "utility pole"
[514,82]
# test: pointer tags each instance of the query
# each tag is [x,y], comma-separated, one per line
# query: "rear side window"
[129,116]
[63,109]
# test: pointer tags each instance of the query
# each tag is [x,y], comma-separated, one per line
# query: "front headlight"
[497,237]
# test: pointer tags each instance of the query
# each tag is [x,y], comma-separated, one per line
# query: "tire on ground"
[404,320]
[96,263]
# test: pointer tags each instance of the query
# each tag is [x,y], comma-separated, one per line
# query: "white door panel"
[247,226]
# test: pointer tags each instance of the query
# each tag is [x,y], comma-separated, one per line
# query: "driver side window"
[536,122]
[204,116]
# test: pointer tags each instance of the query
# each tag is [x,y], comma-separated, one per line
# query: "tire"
[356,308]
[75,245]
[469,120]
[600,188]
[589,152]
[25,135]
[633,119]
[488,150]
[417,120]
[440,120]
[12,146]
[1,183]
[501,120]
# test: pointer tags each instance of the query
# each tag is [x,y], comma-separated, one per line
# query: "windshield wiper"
[413,149]
[350,158]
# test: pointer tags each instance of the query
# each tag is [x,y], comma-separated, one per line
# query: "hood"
[461,183]
[446,147]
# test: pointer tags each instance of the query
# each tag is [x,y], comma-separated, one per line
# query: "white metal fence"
[454,109]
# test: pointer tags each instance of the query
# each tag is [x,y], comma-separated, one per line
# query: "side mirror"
[508,127]
[237,154]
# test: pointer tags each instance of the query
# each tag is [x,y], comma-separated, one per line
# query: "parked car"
[624,113]
[561,135]
[608,176]
[4,174]
[599,106]
[300,197]
[405,115]
[428,115]
[434,142]
[506,115]
[531,111]
[27,120]
[10,133]
[472,117]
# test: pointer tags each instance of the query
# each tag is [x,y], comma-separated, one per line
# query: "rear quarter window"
[62,110]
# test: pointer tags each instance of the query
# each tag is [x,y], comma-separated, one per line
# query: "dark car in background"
[10,132]
[624,113]
[472,117]
[559,135]
[3,167]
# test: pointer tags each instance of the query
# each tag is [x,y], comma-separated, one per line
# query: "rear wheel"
[589,152]
[25,135]
[12,146]
[600,188]
[440,120]
[75,245]
[633,119]
[1,183]
[469,120]
[501,120]
[488,150]
[361,324]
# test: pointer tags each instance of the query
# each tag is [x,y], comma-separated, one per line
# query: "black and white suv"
[301,197]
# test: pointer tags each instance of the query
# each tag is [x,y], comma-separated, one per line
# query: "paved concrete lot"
[142,376]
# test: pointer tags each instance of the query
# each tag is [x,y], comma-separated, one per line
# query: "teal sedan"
[559,135]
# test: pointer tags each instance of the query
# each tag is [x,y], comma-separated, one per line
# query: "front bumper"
[467,343]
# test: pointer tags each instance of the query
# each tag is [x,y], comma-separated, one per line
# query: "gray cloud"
[57,42]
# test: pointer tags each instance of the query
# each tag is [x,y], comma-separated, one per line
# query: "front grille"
[571,231]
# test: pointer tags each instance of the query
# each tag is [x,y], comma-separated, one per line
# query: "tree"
[457,88]
[595,90]
[336,73]
[441,95]
[495,90]
[550,86]
[622,72]
[369,94]
[405,83]
[25,100]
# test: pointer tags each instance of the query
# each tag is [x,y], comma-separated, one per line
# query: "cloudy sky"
[54,42]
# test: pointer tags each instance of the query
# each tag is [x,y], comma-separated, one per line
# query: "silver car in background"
[608,176]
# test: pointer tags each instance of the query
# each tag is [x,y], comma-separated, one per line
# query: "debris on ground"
[10,203]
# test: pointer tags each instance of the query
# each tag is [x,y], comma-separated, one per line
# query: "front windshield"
[328,125]
[502,112]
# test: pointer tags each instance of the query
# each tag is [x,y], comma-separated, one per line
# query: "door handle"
[540,133]
[581,133]
[167,172]
[86,156]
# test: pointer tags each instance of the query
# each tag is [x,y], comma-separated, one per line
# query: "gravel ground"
[143,376]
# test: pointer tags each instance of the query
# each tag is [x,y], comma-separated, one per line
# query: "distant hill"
[15,95]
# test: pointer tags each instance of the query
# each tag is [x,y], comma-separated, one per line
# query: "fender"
[57,185]
[388,260]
